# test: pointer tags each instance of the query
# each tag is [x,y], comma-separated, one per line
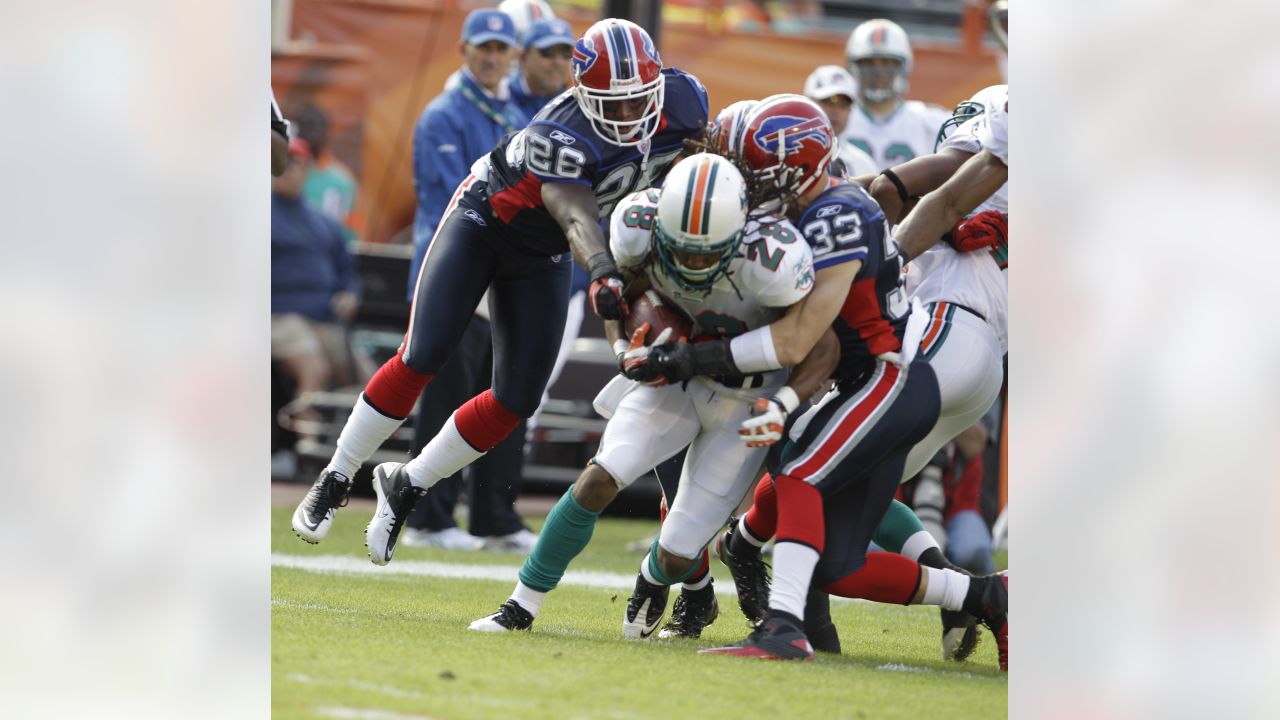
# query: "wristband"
[897,182]
[753,351]
[620,347]
[787,398]
[599,265]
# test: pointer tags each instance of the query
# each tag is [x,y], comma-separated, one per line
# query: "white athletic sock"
[792,570]
[946,589]
[446,454]
[746,534]
[915,545]
[528,598]
[365,431]
[648,575]
[700,584]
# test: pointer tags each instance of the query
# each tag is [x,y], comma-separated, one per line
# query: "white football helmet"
[700,218]
[524,12]
[879,38]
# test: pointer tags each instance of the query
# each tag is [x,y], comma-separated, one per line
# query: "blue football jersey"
[559,145]
[845,224]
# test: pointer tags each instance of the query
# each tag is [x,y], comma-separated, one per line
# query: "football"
[661,312]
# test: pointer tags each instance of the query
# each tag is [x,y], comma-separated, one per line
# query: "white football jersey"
[772,271]
[969,138]
[978,280]
[994,134]
[908,132]
[856,162]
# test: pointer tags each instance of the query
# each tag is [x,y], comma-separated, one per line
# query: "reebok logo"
[563,137]
[828,211]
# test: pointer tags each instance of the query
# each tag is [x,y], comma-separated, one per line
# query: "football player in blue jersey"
[510,227]
[837,478]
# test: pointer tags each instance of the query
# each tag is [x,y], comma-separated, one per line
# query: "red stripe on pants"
[849,424]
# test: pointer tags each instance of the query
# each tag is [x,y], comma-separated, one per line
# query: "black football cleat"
[995,613]
[314,516]
[693,611]
[778,637]
[960,635]
[750,577]
[509,617]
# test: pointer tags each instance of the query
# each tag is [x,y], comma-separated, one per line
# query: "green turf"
[393,646]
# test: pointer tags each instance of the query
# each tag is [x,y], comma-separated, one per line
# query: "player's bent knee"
[595,488]
[674,566]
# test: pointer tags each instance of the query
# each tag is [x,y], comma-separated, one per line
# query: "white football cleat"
[396,497]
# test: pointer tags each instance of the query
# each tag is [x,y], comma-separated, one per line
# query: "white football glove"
[769,416]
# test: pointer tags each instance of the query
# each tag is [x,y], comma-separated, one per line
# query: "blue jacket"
[451,134]
[528,103]
[309,261]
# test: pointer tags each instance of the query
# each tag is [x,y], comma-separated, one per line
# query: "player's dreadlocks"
[760,194]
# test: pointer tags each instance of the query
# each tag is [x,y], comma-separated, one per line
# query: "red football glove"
[606,297]
[985,230]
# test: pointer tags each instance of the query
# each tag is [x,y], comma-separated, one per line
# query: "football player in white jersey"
[887,127]
[977,179]
[691,241]
[965,293]
[834,89]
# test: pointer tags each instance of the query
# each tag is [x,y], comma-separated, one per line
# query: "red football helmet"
[617,81]
[788,141]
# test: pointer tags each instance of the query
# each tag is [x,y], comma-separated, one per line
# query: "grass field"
[352,640]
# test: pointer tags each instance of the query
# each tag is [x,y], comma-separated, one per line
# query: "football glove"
[606,297]
[985,230]
[634,361]
[769,417]
[681,361]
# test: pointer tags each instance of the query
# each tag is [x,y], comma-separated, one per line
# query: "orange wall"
[374,64]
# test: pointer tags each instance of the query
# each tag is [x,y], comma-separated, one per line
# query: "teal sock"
[655,569]
[898,524]
[567,531]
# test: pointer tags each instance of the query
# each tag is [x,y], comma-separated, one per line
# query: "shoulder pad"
[631,227]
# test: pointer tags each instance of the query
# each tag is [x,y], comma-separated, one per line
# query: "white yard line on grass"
[349,565]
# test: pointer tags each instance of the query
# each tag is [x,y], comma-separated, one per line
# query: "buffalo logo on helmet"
[791,130]
[584,55]
[615,53]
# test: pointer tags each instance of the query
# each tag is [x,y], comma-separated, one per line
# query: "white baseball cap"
[828,80]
